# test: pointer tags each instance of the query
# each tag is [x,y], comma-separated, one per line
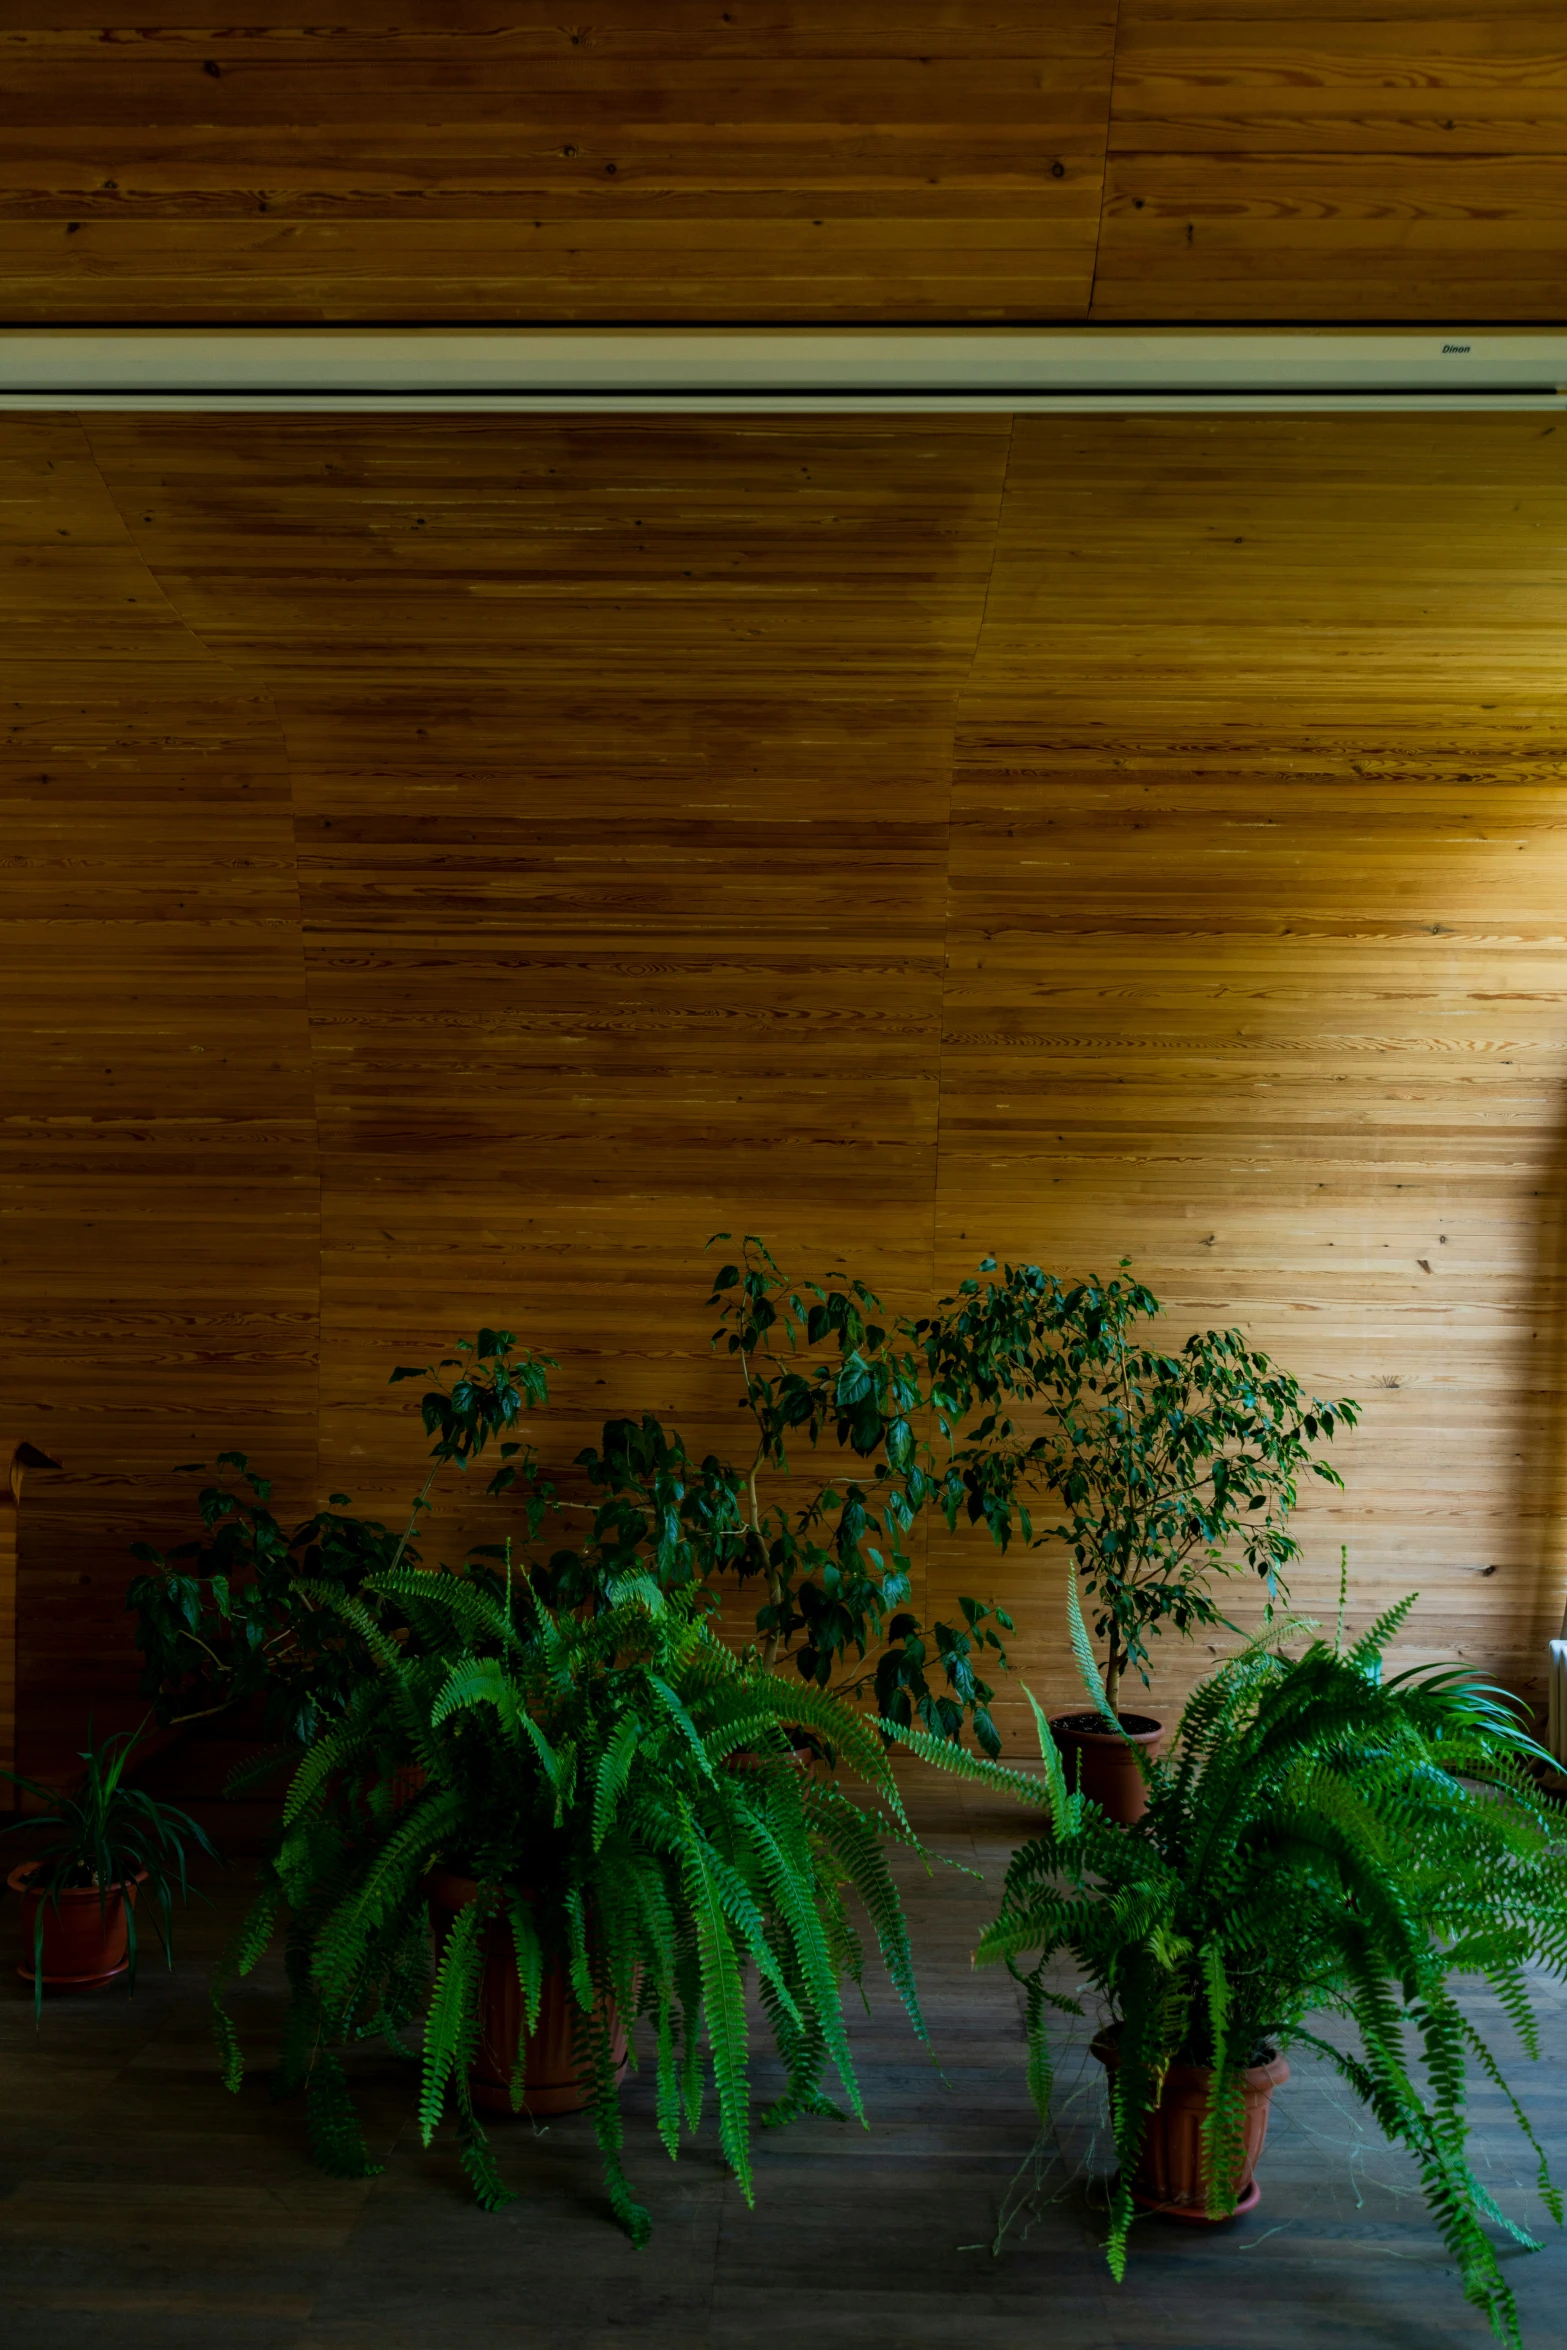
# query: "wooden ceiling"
[812,159]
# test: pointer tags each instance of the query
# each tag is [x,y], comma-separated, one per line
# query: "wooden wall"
[480,858]
[813,159]
[1254,962]
[159,1203]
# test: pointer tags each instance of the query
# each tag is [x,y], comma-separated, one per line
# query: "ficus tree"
[1174,1468]
[820,1371]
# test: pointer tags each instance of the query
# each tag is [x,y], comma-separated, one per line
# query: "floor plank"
[135,2193]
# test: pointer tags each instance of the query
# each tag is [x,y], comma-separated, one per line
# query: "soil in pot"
[86,1938]
[1103,1765]
[553,2082]
[1171,2175]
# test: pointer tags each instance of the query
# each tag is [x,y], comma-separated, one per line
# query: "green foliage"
[585,1769]
[1321,1841]
[1174,1468]
[820,1369]
[237,1612]
[250,1608]
[107,1834]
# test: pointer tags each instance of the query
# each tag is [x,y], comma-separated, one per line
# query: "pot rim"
[1271,2075]
[440,1877]
[21,1878]
[1058,1730]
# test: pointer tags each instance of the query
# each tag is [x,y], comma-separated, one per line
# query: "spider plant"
[1320,1842]
[110,1837]
[575,1767]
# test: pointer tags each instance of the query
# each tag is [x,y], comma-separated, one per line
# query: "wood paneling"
[1273,160]
[821,159]
[159,1232]
[1255,961]
[816,160]
[621,754]
[615,760]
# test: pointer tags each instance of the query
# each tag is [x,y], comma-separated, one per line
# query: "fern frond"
[451,2031]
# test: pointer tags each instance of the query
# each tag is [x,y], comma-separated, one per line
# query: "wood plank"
[139,2193]
[159,1207]
[868,159]
[1335,163]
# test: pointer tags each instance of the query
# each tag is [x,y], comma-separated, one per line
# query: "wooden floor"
[140,2204]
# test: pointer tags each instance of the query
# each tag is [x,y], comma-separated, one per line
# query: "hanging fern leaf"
[336,2139]
[575,1763]
[1320,1840]
[452,2029]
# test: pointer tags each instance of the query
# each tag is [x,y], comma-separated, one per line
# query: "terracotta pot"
[407,1781]
[553,2083]
[1171,2175]
[1103,1765]
[86,1940]
[746,1758]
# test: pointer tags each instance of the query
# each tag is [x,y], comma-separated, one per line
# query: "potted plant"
[241,1613]
[1175,1469]
[79,1889]
[1320,1842]
[592,1865]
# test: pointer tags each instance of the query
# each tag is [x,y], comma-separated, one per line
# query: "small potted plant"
[79,1889]
[590,1861]
[1321,1841]
[1175,1469]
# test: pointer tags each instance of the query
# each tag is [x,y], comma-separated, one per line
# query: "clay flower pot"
[1171,2175]
[86,1939]
[553,2082]
[1109,1774]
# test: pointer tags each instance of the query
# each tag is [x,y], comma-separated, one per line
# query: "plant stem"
[413,1516]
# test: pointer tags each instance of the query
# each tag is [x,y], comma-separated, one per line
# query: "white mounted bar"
[768,369]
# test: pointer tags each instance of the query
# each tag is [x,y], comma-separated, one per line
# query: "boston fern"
[583,1769]
[1320,1841]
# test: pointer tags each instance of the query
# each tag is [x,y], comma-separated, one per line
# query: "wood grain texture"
[621,756]
[821,159]
[1255,958]
[147,2207]
[159,1227]
[613,763]
[1269,161]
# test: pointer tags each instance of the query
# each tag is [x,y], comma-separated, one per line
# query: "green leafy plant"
[1176,1468]
[109,1836]
[242,1611]
[1320,1842]
[580,1768]
[238,1612]
[829,1549]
